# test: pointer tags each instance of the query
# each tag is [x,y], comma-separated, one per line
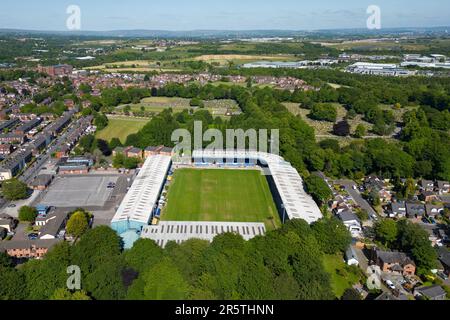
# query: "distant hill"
[233,34]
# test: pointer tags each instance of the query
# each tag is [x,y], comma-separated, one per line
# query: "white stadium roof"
[143,195]
[298,204]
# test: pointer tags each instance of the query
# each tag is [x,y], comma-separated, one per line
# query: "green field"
[121,128]
[221,196]
[158,104]
[342,276]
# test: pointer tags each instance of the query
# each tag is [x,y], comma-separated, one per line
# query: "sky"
[102,15]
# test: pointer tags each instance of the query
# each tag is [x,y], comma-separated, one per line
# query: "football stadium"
[219,191]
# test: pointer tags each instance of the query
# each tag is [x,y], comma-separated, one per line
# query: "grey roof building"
[431,293]
[415,209]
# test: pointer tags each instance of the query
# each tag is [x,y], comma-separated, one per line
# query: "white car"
[390,284]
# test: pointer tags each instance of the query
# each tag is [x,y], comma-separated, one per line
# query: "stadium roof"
[143,195]
[298,204]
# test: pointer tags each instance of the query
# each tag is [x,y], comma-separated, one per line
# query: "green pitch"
[222,196]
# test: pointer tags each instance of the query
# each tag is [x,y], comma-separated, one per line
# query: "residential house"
[434,292]
[7,222]
[394,262]
[428,196]
[6,149]
[350,257]
[397,209]
[434,210]
[12,138]
[52,224]
[28,248]
[352,223]
[426,185]
[375,184]
[130,152]
[444,258]
[14,163]
[443,187]
[27,126]
[134,153]
[415,210]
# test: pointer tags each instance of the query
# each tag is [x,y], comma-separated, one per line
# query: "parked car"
[33,236]
[390,284]
[442,275]
[12,205]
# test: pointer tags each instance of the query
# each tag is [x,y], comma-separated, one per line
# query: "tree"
[14,189]
[103,146]
[94,247]
[360,131]
[77,224]
[318,189]
[386,231]
[27,214]
[342,129]
[114,143]
[323,112]
[100,120]
[144,254]
[64,294]
[332,235]
[118,160]
[415,241]
[87,143]
[131,163]
[165,282]
[13,286]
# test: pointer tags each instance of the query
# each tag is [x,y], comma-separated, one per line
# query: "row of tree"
[284,264]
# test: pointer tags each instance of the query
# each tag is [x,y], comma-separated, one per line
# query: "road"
[356,195]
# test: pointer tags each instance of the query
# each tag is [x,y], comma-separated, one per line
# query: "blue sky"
[221,14]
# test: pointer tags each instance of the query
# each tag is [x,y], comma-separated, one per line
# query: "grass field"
[221,196]
[121,128]
[342,276]
[224,59]
[158,104]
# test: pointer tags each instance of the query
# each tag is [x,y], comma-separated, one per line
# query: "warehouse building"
[141,201]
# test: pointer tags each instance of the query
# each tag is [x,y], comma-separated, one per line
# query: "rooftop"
[143,195]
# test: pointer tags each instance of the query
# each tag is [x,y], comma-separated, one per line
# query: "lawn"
[342,276]
[158,104]
[121,128]
[221,196]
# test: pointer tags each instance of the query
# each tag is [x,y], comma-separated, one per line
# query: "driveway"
[14,212]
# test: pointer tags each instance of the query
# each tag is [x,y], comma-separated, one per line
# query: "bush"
[14,189]
[27,214]
[323,112]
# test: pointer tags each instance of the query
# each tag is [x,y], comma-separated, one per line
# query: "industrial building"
[141,201]
[285,182]
[379,69]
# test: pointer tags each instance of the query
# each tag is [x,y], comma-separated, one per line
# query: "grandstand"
[285,182]
[141,201]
